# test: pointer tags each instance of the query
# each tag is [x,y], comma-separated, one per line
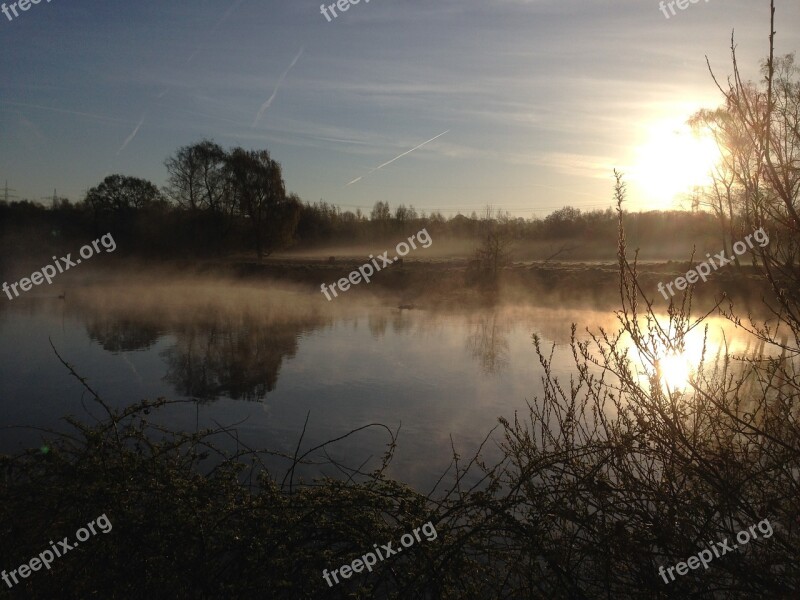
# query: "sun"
[671,162]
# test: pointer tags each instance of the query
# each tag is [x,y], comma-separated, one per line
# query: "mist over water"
[263,355]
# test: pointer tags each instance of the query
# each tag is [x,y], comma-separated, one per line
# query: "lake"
[260,358]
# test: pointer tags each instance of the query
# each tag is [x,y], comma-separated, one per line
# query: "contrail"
[224,18]
[227,14]
[266,104]
[130,364]
[131,136]
[396,157]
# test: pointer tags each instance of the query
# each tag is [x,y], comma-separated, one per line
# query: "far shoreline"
[437,283]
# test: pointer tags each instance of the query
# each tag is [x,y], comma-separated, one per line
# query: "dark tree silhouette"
[260,195]
[115,202]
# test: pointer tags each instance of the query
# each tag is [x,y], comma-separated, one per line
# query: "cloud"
[63,111]
[571,164]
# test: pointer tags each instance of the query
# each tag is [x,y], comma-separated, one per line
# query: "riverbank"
[444,282]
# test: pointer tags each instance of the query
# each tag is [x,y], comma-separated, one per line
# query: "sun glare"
[670,163]
[675,371]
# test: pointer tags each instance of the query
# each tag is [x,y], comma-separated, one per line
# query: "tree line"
[219,202]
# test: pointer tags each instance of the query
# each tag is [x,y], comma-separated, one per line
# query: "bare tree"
[198,181]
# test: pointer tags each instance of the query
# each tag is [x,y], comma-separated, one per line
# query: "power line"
[54,198]
[475,207]
[6,195]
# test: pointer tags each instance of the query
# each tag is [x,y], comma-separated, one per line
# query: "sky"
[449,105]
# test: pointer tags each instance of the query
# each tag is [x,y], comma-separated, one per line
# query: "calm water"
[262,359]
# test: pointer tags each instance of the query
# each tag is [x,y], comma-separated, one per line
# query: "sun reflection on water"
[677,368]
[675,371]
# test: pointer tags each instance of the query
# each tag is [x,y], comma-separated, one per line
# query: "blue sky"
[540,99]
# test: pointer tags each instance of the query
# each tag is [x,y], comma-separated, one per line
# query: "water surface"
[261,359]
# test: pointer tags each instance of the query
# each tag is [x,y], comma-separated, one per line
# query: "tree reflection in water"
[238,358]
[223,347]
[488,342]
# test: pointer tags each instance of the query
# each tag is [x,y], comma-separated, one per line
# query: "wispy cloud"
[64,111]
[570,164]
[131,136]
[388,162]
[266,104]
[29,134]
